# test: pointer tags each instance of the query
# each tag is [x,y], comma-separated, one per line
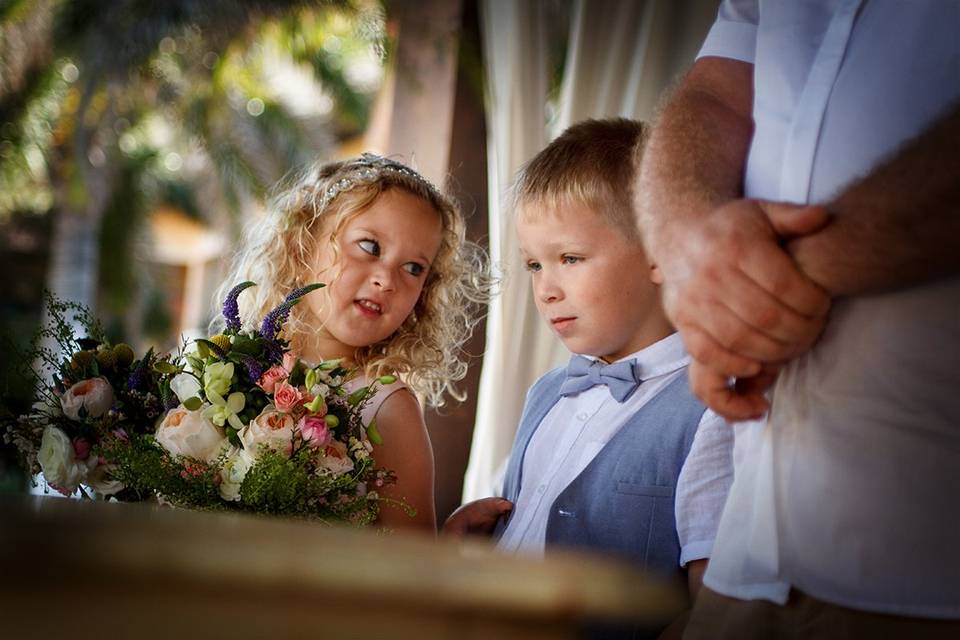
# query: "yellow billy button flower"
[124,354]
[222,341]
[222,411]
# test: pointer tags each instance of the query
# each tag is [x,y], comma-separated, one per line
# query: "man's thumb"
[793,220]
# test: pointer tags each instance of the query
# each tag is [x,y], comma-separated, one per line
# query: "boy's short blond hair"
[593,163]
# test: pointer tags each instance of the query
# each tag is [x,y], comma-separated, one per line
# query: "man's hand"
[734,294]
[743,400]
[744,308]
[476,518]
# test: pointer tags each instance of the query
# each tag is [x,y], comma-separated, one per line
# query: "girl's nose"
[383,279]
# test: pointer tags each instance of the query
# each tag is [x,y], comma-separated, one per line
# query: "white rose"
[59,463]
[234,470]
[94,395]
[335,460]
[271,429]
[185,386]
[190,434]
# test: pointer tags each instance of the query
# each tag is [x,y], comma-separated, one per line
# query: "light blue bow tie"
[583,373]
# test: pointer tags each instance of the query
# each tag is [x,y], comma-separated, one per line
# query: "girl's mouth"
[368,308]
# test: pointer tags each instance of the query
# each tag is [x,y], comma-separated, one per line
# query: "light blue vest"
[623,502]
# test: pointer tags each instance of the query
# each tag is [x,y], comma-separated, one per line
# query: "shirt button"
[541,489]
[582,416]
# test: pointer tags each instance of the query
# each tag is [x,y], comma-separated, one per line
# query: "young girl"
[402,295]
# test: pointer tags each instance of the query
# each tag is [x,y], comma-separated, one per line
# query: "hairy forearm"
[694,158]
[897,227]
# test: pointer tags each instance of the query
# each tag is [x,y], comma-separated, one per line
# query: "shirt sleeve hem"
[695,551]
[736,40]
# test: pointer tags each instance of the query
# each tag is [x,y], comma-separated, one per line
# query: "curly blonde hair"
[276,252]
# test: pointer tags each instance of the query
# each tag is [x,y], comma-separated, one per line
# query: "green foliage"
[277,484]
[146,469]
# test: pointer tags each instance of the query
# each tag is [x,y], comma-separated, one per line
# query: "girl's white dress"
[375,401]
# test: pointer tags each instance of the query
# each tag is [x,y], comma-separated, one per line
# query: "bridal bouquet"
[87,391]
[237,422]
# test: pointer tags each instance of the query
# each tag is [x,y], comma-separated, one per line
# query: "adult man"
[843,509]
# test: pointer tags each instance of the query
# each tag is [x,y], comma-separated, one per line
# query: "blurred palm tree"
[110,109]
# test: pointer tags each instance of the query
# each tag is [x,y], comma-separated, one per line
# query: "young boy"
[613,452]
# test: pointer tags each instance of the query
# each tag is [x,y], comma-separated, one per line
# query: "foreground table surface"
[87,569]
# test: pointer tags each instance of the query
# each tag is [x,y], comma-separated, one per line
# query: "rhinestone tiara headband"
[367,169]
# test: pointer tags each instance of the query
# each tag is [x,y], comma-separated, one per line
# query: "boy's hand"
[476,518]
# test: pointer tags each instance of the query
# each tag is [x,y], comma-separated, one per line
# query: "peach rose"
[335,460]
[189,433]
[272,429]
[271,377]
[287,398]
[94,395]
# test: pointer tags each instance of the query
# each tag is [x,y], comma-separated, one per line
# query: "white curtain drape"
[515,57]
[621,54]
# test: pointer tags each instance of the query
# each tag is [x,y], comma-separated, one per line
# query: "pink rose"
[314,430]
[95,395]
[289,361]
[287,398]
[81,448]
[268,381]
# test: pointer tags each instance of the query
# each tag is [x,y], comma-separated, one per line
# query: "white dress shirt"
[577,428]
[851,491]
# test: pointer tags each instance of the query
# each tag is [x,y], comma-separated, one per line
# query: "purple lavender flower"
[274,351]
[254,368]
[231,310]
[139,372]
[274,320]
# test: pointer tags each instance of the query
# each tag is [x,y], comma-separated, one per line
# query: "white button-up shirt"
[575,430]
[851,492]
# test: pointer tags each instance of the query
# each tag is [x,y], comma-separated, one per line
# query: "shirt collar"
[660,358]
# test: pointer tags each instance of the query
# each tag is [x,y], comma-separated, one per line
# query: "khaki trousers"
[717,617]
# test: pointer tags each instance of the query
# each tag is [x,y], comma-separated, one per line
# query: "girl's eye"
[570,259]
[414,268]
[370,246]
[532,266]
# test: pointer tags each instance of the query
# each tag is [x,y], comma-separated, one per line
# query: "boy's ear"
[656,277]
